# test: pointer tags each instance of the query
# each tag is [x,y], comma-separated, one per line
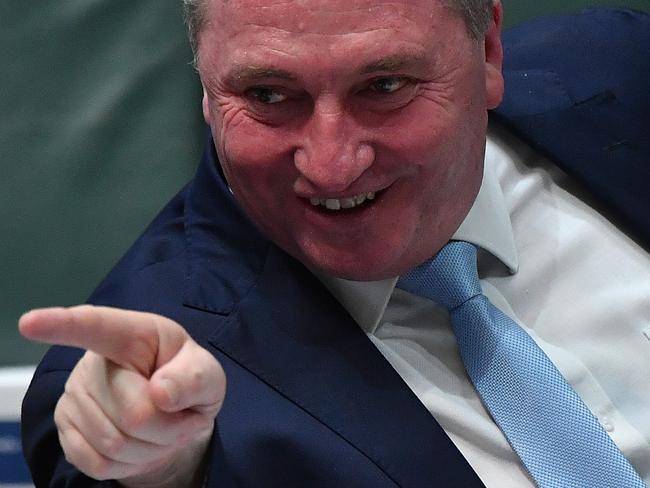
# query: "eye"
[267,96]
[389,84]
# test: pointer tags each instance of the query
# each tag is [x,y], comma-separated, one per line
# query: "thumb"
[192,379]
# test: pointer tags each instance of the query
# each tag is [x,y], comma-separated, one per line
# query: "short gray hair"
[476,14]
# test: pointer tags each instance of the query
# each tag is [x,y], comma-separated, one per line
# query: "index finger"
[128,338]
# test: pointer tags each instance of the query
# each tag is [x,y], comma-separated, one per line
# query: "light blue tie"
[558,439]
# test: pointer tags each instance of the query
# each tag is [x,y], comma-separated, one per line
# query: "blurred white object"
[13,385]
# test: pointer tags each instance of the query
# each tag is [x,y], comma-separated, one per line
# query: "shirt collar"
[487,225]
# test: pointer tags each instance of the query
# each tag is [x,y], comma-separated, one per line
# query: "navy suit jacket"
[310,401]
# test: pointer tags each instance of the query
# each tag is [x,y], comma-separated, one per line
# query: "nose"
[332,154]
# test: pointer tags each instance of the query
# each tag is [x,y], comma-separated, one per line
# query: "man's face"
[318,104]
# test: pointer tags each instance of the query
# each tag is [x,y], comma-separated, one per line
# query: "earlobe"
[205,103]
[494,84]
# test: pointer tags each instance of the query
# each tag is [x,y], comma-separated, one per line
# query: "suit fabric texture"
[310,400]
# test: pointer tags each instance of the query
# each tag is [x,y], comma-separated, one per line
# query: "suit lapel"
[292,334]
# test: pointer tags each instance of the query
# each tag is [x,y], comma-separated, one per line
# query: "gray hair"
[476,14]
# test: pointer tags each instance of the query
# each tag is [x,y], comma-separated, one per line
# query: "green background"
[100,126]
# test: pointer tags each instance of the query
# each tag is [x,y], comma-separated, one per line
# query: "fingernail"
[171,389]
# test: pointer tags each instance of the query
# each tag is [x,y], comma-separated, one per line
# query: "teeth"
[348,203]
[333,204]
[339,203]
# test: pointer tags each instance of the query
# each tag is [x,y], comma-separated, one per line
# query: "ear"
[494,84]
[205,103]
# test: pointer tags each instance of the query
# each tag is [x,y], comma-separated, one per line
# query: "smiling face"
[352,133]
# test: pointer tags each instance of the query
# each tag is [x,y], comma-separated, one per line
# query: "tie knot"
[449,278]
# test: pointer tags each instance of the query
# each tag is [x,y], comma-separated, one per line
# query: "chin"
[359,265]
[355,273]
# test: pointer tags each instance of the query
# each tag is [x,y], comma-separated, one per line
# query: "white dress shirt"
[571,279]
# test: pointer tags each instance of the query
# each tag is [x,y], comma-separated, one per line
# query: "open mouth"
[347,203]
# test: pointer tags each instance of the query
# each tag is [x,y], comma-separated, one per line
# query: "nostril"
[365,155]
[300,159]
[333,168]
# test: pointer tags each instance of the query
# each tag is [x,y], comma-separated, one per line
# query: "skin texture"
[306,99]
[346,98]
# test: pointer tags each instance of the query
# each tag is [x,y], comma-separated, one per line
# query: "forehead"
[326,17]
[319,16]
[330,35]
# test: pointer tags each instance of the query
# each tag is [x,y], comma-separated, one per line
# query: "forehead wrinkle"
[324,19]
[330,6]
[307,31]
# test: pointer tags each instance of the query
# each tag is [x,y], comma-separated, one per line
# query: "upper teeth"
[339,203]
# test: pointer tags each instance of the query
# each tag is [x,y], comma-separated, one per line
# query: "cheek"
[446,146]
[447,125]
[250,151]
[426,137]
[258,165]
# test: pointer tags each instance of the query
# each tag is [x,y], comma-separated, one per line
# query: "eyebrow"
[394,63]
[252,73]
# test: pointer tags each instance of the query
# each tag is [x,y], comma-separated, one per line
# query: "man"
[352,139]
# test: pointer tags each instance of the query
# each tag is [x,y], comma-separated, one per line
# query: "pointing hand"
[140,405]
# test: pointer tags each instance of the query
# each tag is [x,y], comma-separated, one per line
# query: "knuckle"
[99,468]
[82,314]
[216,370]
[221,381]
[135,418]
[113,444]
[71,386]
[85,371]
[219,390]
[212,371]
[142,348]
[60,416]
[197,379]
[166,325]
[70,455]
[72,390]
[140,336]
[87,461]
